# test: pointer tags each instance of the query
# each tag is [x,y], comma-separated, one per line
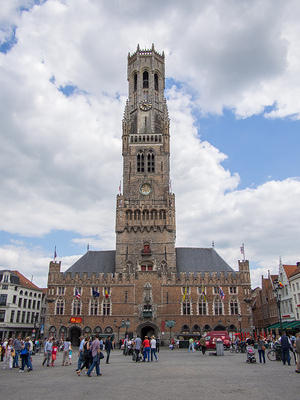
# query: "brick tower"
[145,214]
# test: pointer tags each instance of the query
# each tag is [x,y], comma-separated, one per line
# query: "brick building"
[147,282]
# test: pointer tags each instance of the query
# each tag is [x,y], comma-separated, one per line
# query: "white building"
[21,305]
[295,288]
[288,311]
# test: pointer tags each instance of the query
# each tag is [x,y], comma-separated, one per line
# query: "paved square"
[177,375]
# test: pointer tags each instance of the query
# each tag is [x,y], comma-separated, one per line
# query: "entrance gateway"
[74,334]
[147,329]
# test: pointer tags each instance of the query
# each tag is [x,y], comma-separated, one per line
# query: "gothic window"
[94,305]
[155,81]
[76,307]
[202,306]
[150,162]
[135,82]
[234,307]
[186,308]
[129,215]
[146,267]
[140,162]
[145,80]
[233,290]
[218,306]
[137,215]
[145,214]
[162,214]
[60,305]
[153,214]
[106,307]
[125,296]
[61,290]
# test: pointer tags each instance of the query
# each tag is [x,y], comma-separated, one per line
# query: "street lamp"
[277,290]
[240,322]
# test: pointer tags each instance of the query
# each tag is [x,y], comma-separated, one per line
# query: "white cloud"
[61,156]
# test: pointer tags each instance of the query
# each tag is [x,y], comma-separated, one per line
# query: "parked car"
[212,337]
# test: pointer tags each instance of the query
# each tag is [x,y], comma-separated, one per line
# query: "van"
[212,337]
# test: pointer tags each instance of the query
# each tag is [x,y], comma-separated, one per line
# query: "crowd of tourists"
[18,352]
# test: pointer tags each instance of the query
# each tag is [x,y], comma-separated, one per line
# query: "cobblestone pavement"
[177,375]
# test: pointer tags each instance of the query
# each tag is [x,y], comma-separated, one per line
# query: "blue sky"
[233,97]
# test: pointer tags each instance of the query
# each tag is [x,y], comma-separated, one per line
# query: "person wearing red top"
[146,349]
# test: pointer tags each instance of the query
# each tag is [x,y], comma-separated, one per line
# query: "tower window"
[150,162]
[140,163]
[145,80]
[155,81]
[135,82]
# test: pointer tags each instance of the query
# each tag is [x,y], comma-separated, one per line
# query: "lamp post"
[240,322]
[277,290]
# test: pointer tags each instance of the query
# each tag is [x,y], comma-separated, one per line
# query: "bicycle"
[276,355]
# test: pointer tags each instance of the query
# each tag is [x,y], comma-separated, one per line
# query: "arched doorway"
[220,328]
[147,329]
[74,334]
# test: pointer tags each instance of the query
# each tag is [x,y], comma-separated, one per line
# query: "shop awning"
[293,325]
[285,325]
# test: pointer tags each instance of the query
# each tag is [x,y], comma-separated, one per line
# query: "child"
[54,351]
[70,355]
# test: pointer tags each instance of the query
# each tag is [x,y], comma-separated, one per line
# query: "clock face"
[145,189]
[145,106]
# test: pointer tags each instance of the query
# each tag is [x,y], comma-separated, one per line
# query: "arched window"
[218,306]
[94,306]
[145,80]
[135,82]
[155,81]
[128,215]
[137,215]
[153,214]
[150,162]
[145,214]
[234,307]
[186,307]
[60,305]
[140,162]
[162,214]
[202,305]
[76,307]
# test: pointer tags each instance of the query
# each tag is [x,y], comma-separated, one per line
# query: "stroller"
[250,355]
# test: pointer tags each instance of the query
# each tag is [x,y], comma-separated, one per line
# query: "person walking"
[146,349]
[261,347]
[54,353]
[48,351]
[202,343]
[66,350]
[191,345]
[8,358]
[87,357]
[108,348]
[285,349]
[297,350]
[153,348]
[137,348]
[80,353]
[25,356]
[95,349]
[18,348]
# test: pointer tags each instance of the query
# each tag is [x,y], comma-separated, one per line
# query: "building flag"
[55,254]
[203,293]
[184,294]
[95,293]
[77,294]
[221,293]
[106,294]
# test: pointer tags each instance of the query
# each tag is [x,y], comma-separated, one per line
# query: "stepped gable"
[95,261]
[193,259]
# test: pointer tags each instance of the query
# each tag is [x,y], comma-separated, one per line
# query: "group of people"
[141,350]
[17,353]
[51,347]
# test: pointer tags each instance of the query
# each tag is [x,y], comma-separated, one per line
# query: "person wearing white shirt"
[153,348]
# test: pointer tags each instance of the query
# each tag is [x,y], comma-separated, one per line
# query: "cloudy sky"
[233,93]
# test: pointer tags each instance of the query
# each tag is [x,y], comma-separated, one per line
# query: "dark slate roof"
[95,261]
[190,259]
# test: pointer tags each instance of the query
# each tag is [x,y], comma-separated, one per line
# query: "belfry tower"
[145,215]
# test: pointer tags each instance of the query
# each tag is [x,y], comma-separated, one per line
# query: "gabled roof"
[290,270]
[194,259]
[26,282]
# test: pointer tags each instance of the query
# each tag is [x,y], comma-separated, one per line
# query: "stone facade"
[147,282]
